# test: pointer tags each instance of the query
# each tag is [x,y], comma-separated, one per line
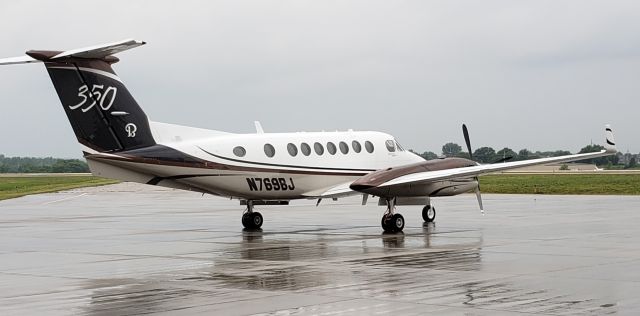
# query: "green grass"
[608,184]
[611,184]
[12,187]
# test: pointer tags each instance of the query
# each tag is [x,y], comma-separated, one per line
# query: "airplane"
[120,142]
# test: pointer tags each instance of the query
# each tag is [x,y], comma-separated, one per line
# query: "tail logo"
[98,95]
[131,130]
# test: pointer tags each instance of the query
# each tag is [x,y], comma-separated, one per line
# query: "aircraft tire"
[429,213]
[392,224]
[397,222]
[246,220]
[385,224]
[256,220]
[252,220]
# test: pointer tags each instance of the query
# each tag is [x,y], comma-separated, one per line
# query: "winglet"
[610,142]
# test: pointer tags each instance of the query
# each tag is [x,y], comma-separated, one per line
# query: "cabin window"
[356,146]
[292,149]
[318,148]
[391,145]
[306,149]
[331,148]
[368,146]
[239,151]
[269,150]
[344,148]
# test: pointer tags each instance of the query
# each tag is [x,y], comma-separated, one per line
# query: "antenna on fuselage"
[259,129]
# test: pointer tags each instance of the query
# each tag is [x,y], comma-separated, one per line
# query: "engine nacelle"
[373,183]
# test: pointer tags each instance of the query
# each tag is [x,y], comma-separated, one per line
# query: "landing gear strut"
[429,213]
[251,219]
[392,222]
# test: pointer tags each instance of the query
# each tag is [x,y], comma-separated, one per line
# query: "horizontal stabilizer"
[101,51]
[18,60]
[92,52]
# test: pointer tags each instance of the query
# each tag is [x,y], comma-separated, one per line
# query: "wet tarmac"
[129,250]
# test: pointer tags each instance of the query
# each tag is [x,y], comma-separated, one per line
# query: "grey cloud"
[535,74]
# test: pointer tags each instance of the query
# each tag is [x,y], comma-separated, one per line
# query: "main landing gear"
[251,219]
[392,222]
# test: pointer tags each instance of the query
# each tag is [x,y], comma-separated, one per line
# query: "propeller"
[467,141]
[465,132]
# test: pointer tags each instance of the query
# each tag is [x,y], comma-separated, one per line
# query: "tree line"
[41,165]
[482,155]
[490,155]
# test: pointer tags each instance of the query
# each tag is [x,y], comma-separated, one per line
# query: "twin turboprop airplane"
[119,142]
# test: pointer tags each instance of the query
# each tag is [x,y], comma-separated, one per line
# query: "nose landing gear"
[429,213]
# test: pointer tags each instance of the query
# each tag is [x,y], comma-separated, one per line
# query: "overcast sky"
[541,75]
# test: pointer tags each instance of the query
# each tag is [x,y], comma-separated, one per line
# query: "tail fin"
[102,112]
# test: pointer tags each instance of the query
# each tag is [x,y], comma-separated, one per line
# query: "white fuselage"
[243,165]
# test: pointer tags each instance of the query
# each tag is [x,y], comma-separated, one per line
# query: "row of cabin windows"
[270,151]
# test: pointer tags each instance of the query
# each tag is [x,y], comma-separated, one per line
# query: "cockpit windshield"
[391,145]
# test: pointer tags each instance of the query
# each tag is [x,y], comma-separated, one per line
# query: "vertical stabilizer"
[103,114]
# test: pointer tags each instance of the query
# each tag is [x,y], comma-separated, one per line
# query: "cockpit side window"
[399,147]
[391,145]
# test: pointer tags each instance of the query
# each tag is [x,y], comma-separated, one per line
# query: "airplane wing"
[446,174]
[431,176]
[344,189]
[371,183]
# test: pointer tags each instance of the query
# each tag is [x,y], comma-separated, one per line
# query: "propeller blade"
[465,132]
[479,199]
[477,190]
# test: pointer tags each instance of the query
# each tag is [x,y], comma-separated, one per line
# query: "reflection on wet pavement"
[140,250]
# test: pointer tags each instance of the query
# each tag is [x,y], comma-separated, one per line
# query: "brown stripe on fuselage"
[166,156]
